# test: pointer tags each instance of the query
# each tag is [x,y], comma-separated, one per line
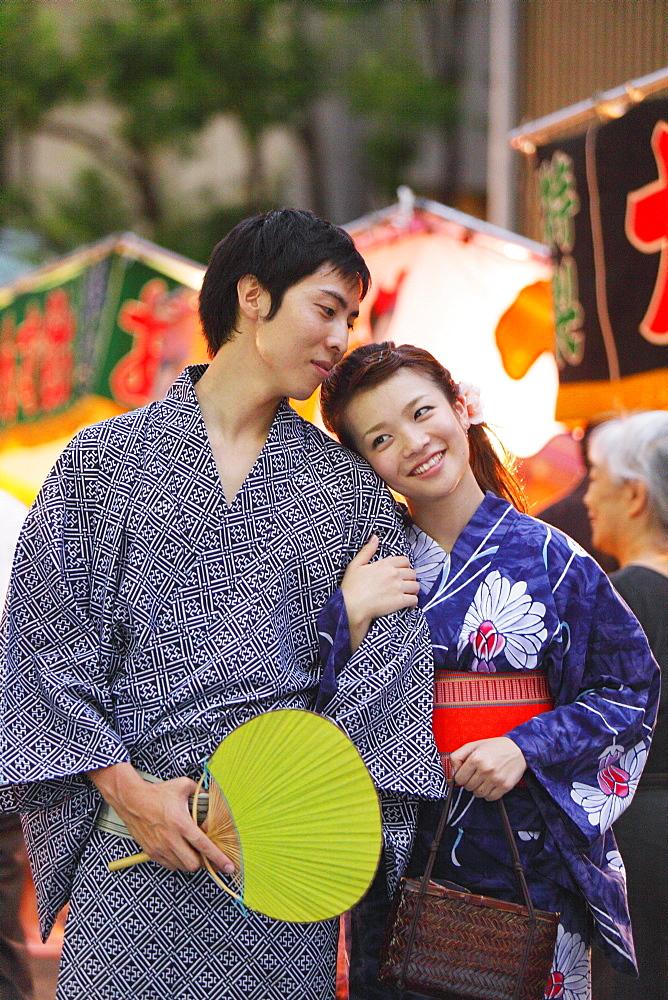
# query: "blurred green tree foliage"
[400,81]
[170,66]
[90,212]
[35,75]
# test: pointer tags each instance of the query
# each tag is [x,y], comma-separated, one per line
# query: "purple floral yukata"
[517,595]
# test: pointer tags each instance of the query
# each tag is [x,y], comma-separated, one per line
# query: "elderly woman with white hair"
[627,502]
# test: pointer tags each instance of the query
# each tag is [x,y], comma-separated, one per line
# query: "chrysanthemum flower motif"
[616,862]
[428,558]
[503,616]
[617,780]
[569,978]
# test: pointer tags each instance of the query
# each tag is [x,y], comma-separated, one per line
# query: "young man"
[166,590]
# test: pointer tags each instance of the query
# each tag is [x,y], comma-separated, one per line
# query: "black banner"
[604,198]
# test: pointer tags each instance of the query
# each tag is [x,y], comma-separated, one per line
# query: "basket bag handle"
[519,875]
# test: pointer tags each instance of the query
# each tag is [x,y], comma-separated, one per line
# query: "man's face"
[309,333]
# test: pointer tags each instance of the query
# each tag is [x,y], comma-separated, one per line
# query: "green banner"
[117,320]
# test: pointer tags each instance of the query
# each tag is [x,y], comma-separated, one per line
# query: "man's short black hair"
[279,248]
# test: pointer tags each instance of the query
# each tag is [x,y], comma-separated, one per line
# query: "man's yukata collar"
[181,402]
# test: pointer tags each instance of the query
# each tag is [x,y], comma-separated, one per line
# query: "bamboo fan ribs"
[221,830]
[293,806]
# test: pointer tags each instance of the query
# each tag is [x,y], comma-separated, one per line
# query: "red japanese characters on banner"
[57,363]
[148,319]
[123,307]
[36,358]
[647,229]
[9,403]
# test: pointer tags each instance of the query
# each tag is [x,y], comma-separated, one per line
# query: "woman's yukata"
[517,595]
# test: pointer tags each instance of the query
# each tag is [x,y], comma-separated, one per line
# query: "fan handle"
[138,859]
[207,864]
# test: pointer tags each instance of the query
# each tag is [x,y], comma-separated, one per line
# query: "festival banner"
[604,198]
[106,328]
[103,330]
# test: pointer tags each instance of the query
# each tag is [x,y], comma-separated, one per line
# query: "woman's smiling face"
[411,435]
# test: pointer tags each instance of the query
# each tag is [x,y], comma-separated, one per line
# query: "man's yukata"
[146,620]
[517,595]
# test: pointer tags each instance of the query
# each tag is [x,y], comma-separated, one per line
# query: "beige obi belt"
[471,707]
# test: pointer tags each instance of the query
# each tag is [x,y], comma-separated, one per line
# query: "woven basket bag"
[455,945]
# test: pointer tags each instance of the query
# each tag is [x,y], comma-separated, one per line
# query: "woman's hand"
[488,768]
[374,589]
[158,818]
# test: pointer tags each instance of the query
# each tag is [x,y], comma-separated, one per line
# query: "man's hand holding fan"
[292,808]
[158,817]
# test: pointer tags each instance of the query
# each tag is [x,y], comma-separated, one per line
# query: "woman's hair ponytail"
[491,472]
[372,364]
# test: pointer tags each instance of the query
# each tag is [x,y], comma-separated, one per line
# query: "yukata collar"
[485,529]
[489,523]
[477,544]
[182,404]
[182,390]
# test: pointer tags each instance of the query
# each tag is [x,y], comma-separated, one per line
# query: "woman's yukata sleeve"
[57,649]
[588,754]
[382,694]
[334,646]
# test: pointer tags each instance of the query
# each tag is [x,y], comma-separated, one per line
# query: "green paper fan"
[303,814]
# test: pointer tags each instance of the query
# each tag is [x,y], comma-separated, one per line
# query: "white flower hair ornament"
[469,396]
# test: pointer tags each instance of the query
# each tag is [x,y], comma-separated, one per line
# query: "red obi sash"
[471,707]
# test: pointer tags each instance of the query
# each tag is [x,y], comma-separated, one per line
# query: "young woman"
[503,594]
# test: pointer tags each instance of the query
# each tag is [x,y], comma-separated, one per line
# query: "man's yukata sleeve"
[588,754]
[381,695]
[57,643]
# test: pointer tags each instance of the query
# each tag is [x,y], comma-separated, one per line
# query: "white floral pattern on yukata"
[569,978]
[503,618]
[617,780]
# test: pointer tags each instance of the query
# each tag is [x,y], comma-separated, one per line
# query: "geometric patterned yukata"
[516,595]
[146,620]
